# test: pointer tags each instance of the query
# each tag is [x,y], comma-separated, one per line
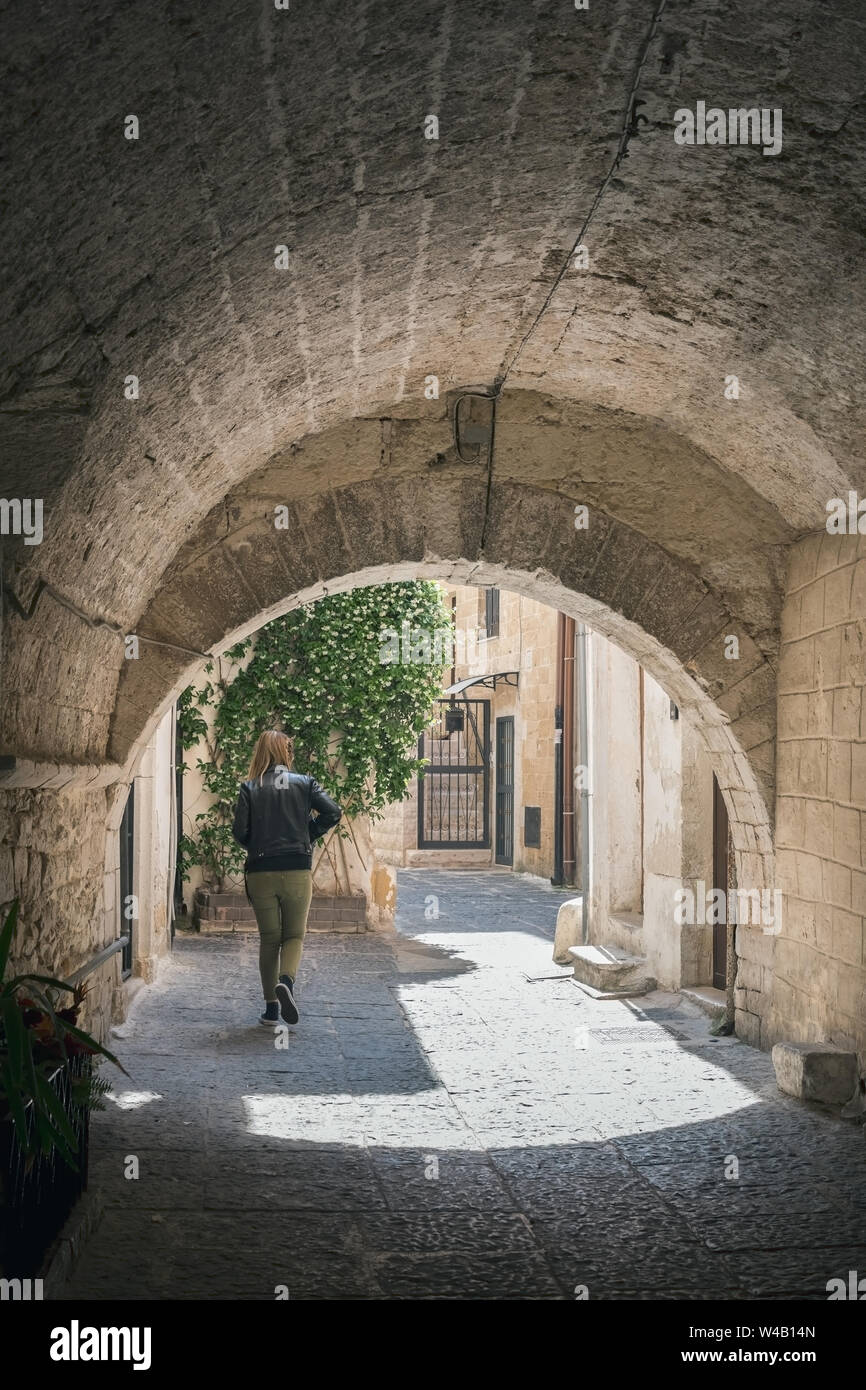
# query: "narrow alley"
[453,1119]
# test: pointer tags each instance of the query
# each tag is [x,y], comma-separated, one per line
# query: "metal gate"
[453,788]
[505,790]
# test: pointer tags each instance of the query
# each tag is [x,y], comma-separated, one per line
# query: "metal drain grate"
[640,1033]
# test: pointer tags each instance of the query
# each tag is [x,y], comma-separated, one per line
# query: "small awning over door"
[490,682]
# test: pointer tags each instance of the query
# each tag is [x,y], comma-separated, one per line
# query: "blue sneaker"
[271,1016]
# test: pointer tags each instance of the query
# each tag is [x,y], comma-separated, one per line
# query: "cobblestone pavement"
[453,1118]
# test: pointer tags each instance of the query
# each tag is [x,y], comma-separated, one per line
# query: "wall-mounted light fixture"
[472,420]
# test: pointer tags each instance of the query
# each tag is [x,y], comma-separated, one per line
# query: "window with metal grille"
[491,612]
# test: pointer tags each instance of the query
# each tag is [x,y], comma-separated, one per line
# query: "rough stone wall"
[533,731]
[696,941]
[615,784]
[662,835]
[52,851]
[652,821]
[616,712]
[395,832]
[153,840]
[819,984]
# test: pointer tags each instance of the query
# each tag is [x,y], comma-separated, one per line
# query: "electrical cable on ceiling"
[43,587]
[631,123]
[630,127]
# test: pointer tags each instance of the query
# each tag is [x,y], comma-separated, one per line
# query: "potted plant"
[43,1055]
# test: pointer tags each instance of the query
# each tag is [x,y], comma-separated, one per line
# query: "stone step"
[328,913]
[608,971]
[709,1000]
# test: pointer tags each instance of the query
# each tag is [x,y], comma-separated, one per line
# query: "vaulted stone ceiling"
[407,258]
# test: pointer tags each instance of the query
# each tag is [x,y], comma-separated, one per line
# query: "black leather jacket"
[274,814]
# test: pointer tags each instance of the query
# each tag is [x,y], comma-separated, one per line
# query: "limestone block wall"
[52,854]
[819,969]
[617,716]
[678,841]
[533,733]
[394,833]
[60,854]
[616,791]
[153,872]
[696,939]
[662,834]
[652,828]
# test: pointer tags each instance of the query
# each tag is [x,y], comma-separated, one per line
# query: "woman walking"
[274,822]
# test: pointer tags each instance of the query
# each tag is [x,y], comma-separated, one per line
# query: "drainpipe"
[453,642]
[568,855]
[557,879]
[583,755]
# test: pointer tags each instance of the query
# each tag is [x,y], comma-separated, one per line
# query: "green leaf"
[18,981]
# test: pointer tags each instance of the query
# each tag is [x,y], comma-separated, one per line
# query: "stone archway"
[436,518]
[654,607]
[412,264]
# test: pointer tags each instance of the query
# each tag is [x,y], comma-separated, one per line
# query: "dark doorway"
[453,788]
[720,881]
[128,914]
[179,904]
[505,790]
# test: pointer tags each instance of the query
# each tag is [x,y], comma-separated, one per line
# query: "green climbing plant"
[326,674]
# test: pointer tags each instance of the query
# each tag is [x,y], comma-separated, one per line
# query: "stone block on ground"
[608,970]
[569,929]
[815,1071]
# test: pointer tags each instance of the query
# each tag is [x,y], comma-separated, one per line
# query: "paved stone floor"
[453,1118]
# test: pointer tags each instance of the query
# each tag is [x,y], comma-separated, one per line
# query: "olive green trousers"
[281,902]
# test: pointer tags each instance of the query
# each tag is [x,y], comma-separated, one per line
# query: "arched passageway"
[261,302]
[543,511]
[226,584]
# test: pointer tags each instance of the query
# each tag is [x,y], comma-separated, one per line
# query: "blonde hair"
[273,749]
